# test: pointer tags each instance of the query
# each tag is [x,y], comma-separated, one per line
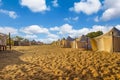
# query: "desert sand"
[49,62]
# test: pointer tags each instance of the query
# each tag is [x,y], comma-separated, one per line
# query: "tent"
[82,42]
[109,42]
[16,43]
[22,43]
[66,43]
[25,42]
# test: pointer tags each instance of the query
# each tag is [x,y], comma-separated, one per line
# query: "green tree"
[18,38]
[94,34]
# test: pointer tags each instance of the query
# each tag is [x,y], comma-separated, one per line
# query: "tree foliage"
[19,38]
[94,34]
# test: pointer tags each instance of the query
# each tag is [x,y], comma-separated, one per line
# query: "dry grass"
[53,63]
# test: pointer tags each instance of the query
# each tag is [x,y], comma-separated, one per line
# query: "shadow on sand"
[10,57]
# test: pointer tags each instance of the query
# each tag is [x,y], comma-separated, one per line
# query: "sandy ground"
[53,63]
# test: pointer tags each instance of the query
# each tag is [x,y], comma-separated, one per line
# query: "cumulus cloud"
[88,7]
[11,14]
[35,5]
[55,3]
[46,40]
[54,28]
[49,38]
[6,30]
[112,10]
[65,28]
[68,30]
[53,36]
[35,29]
[30,36]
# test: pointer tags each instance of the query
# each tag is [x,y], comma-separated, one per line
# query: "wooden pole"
[113,41]
[87,43]
[9,41]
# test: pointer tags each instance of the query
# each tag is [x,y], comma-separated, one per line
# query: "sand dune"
[53,63]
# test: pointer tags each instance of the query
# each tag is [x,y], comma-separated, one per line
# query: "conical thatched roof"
[83,38]
[114,31]
[69,38]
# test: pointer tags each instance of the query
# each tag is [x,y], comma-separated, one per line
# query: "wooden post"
[113,41]
[87,43]
[9,41]
[0,47]
[75,43]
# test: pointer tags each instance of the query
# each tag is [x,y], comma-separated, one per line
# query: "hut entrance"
[116,44]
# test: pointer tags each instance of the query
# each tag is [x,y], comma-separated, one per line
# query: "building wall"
[3,40]
[93,44]
[100,44]
[108,44]
[74,44]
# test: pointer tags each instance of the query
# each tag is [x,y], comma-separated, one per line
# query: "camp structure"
[3,41]
[25,42]
[82,42]
[66,43]
[16,41]
[56,43]
[21,42]
[33,42]
[109,42]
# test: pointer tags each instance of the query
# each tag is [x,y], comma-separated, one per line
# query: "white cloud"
[50,38]
[88,7]
[66,28]
[31,36]
[11,14]
[75,18]
[35,29]
[112,10]
[35,5]
[54,28]
[53,36]
[69,19]
[96,19]
[46,40]
[118,26]
[100,28]
[6,30]
[55,3]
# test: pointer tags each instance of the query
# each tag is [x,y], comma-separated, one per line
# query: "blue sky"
[50,20]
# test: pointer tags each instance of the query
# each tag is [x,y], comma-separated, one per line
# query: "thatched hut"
[3,41]
[67,43]
[25,42]
[83,42]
